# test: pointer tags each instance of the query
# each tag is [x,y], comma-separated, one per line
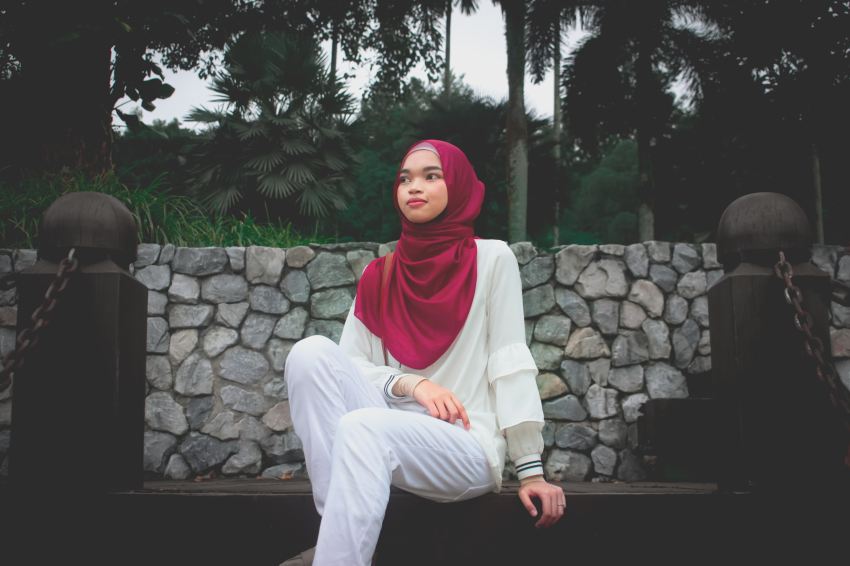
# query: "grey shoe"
[306,558]
[303,559]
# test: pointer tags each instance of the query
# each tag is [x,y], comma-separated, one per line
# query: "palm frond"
[283,121]
[330,133]
[280,135]
[334,162]
[249,130]
[315,200]
[276,186]
[223,199]
[295,146]
[299,173]
[204,115]
[697,58]
[266,162]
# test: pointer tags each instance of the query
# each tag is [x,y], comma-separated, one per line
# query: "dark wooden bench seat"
[257,521]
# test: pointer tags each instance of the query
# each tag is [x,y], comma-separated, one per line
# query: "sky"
[477,54]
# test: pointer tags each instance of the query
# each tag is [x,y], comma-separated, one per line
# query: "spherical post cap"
[760,224]
[94,223]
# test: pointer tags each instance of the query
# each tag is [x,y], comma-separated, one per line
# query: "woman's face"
[422,194]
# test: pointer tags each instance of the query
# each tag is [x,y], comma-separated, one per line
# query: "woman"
[431,376]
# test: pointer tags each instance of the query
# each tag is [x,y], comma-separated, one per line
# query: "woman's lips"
[415,202]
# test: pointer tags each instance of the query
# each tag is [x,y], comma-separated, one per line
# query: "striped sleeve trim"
[528,466]
[388,386]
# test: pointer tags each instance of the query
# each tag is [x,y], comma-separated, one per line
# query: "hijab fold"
[432,282]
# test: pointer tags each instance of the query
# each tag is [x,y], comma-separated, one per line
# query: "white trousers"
[357,444]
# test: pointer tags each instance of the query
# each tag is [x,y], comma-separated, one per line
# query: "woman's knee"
[304,355]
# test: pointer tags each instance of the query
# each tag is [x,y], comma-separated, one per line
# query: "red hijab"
[430,289]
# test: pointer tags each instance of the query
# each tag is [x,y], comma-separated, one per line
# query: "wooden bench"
[262,522]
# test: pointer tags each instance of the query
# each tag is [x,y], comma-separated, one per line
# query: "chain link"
[813,345]
[28,338]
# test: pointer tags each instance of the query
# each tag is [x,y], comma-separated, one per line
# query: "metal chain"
[29,337]
[824,368]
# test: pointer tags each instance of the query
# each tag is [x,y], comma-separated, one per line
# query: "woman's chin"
[420,218]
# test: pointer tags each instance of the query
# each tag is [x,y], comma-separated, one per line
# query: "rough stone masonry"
[610,327]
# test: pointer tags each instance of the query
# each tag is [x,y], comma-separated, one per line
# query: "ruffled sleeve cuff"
[510,359]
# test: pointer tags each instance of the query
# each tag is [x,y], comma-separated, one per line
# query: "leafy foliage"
[387,126]
[607,90]
[67,64]
[186,33]
[799,68]
[145,154]
[603,205]
[160,215]
[546,20]
[281,135]
[766,99]
[390,36]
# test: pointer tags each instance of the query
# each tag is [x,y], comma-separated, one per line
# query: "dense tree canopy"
[801,66]
[108,49]
[66,64]
[385,129]
[765,84]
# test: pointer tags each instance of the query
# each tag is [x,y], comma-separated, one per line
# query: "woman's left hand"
[551,497]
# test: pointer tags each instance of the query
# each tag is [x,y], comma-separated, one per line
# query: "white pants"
[356,444]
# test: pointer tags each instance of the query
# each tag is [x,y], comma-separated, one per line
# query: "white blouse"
[488,366]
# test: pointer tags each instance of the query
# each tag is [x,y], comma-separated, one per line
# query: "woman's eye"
[432,176]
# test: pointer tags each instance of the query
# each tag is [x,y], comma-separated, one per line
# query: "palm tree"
[801,63]
[466,7]
[514,12]
[546,21]
[618,81]
[447,74]
[280,135]
[347,23]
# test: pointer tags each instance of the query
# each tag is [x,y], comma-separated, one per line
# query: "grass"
[161,216]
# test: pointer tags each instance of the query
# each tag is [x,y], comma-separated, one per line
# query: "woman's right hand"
[440,402]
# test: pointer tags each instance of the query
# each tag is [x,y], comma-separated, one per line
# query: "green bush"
[602,208]
[161,217]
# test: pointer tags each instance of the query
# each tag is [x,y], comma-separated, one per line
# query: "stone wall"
[610,327]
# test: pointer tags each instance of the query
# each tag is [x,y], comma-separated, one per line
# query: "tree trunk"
[334,49]
[63,117]
[556,132]
[517,130]
[447,78]
[646,189]
[816,179]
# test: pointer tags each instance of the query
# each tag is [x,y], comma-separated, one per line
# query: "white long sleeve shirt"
[488,366]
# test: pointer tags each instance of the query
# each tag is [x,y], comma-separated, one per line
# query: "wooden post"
[78,402]
[776,424]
